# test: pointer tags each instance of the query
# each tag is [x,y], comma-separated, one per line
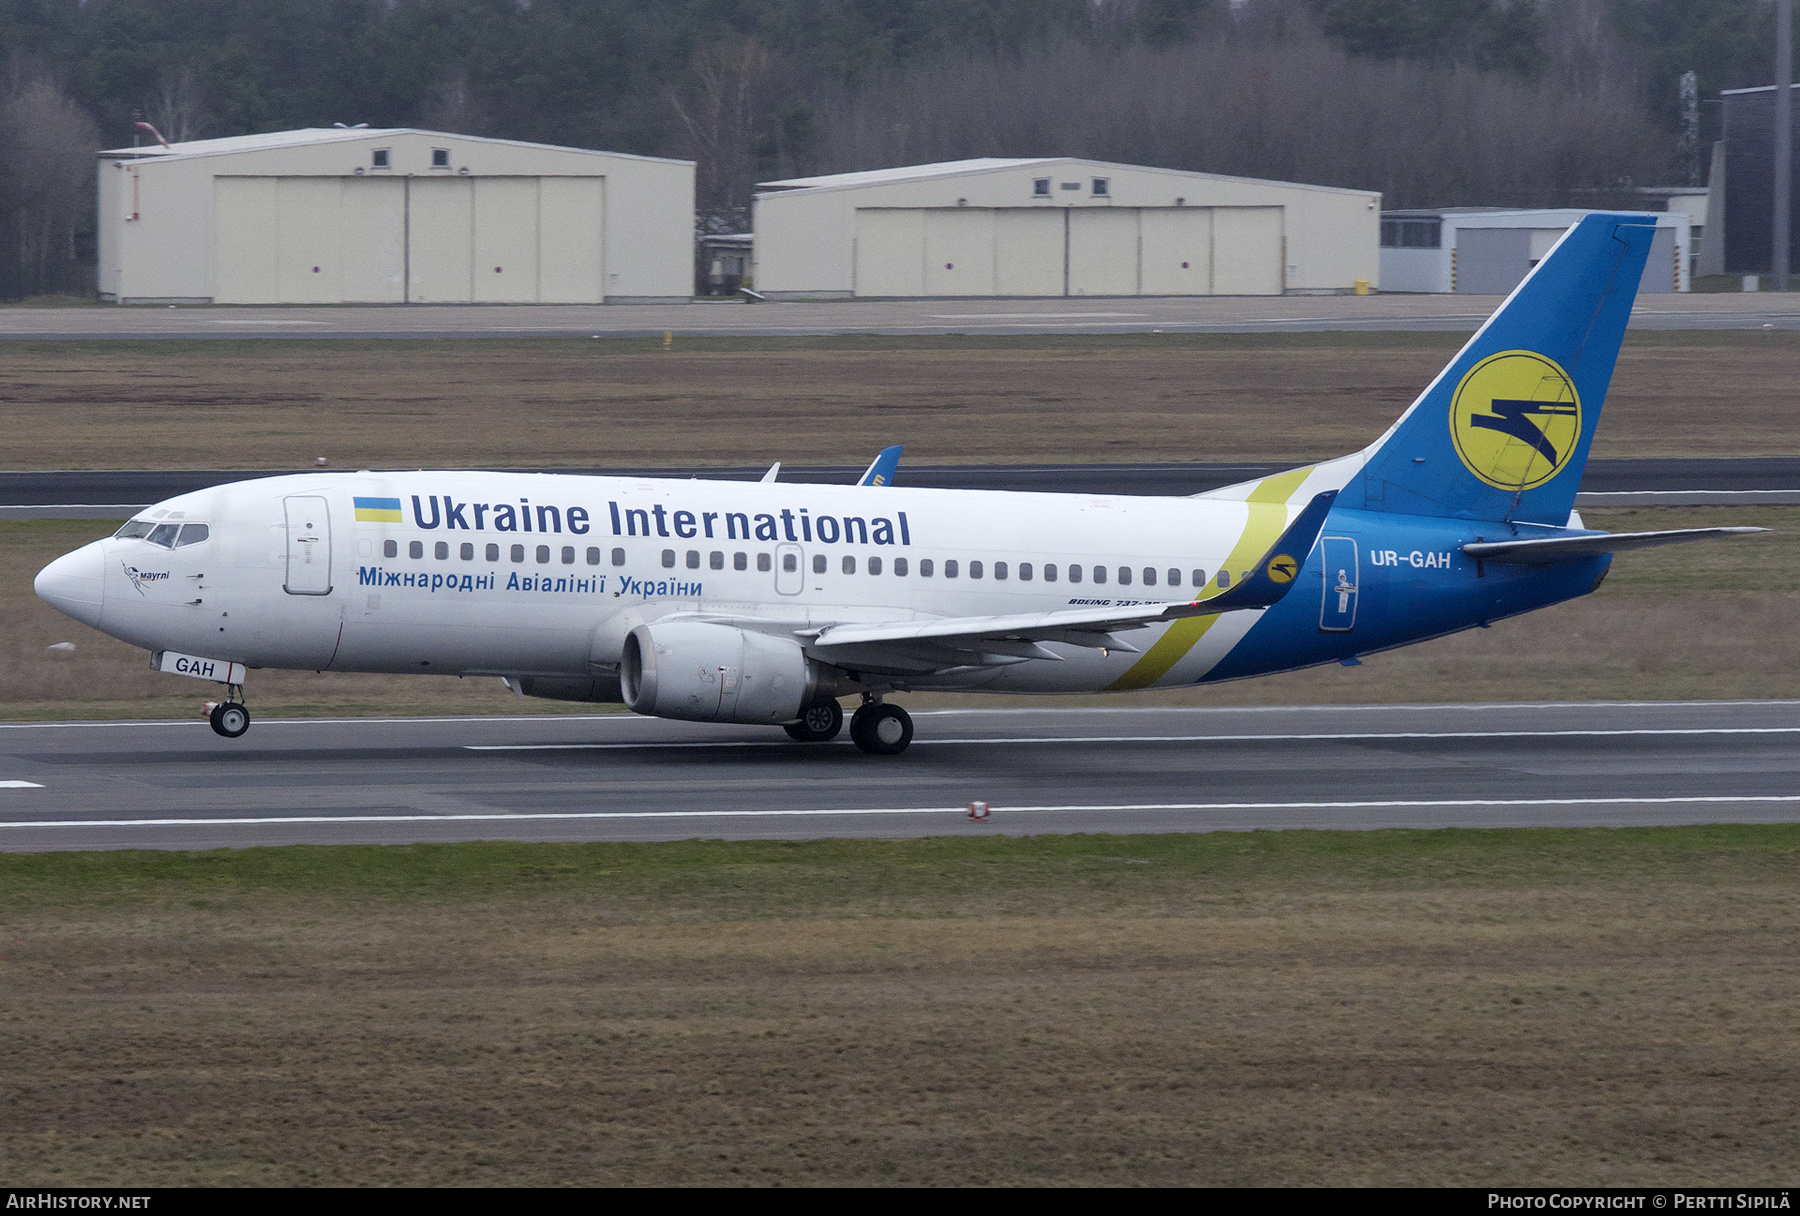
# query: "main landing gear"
[230,718]
[881,729]
[878,728]
[819,723]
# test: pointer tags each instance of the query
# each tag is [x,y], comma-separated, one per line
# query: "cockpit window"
[169,536]
[192,534]
[164,535]
[134,529]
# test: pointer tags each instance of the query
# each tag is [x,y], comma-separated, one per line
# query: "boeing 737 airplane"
[767,603]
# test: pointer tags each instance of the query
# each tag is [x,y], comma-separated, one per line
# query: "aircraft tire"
[230,719]
[819,722]
[882,730]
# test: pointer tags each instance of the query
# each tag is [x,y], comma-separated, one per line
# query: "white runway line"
[20,785]
[1448,734]
[997,809]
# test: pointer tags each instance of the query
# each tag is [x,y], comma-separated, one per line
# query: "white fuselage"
[545,575]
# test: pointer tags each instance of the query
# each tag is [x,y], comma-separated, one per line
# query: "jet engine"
[716,673]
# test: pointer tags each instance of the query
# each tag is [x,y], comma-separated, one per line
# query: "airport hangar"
[392,216]
[1059,227]
[1488,251]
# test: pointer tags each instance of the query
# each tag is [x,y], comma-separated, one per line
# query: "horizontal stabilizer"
[1554,549]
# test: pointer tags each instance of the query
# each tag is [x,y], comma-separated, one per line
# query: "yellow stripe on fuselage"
[1267,518]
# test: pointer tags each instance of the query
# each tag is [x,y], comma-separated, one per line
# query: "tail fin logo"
[1515,420]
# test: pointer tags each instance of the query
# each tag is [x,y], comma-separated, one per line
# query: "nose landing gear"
[229,718]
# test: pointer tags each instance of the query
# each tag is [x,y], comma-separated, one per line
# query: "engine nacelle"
[716,673]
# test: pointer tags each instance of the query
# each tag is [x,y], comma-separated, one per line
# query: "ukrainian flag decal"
[378,511]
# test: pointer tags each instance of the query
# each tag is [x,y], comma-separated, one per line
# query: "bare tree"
[179,108]
[47,146]
[727,111]
[451,105]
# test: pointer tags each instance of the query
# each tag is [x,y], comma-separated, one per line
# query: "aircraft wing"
[1019,637]
[1549,550]
[881,470]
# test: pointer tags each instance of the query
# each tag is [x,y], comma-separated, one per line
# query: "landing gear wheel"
[230,719]
[881,729]
[819,722]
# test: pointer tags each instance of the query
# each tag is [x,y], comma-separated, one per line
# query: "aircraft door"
[790,570]
[1337,605]
[308,545]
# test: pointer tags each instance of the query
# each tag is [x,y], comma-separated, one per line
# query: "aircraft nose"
[73,583]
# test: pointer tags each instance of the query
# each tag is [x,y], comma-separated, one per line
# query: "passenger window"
[1099,574]
[1024,572]
[441,550]
[543,555]
[618,557]
[1224,578]
[1000,570]
[924,567]
[593,556]
[740,561]
[468,552]
[518,553]
[1199,578]
[849,564]
[192,534]
[1174,578]
[974,569]
[1124,576]
[1049,573]
[1074,573]
[568,555]
[164,535]
[1149,576]
[668,559]
[789,563]
[415,549]
[899,567]
[950,568]
[716,560]
[874,565]
[818,563]
[762,563]
[693,559]
[139,528]
[492,553]
[392,548]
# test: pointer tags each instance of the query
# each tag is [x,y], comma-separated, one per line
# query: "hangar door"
[329,240]
[1068,251]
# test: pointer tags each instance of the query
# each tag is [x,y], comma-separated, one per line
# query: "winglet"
[1276,572]
[770,475]
[881,470]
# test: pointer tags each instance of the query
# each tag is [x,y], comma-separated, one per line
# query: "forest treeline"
[1431,102]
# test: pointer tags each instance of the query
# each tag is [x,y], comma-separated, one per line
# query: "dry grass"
[1501,1008]
[499,403]
[1702,621]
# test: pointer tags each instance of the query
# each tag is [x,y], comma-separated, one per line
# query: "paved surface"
[1770,480]
[1216,314]
[621,777]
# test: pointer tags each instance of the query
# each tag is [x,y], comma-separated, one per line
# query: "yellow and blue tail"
[1503,432]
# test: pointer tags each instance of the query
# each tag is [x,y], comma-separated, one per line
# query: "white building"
[1477,251]
[1059,227]
[391,217]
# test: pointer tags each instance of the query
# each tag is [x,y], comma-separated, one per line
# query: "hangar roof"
[985,164]
[310,136]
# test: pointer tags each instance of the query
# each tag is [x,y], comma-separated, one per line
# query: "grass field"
[583,402]
[1712,619]
[1531,1007]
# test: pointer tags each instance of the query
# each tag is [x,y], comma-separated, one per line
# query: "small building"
[392,216]
[1478,251]
[1059,226]
[723,263]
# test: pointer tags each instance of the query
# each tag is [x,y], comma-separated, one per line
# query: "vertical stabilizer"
[1503,432]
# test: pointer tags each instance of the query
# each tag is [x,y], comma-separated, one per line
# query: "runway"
[1128,770]
[1764,480]
[724,318]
